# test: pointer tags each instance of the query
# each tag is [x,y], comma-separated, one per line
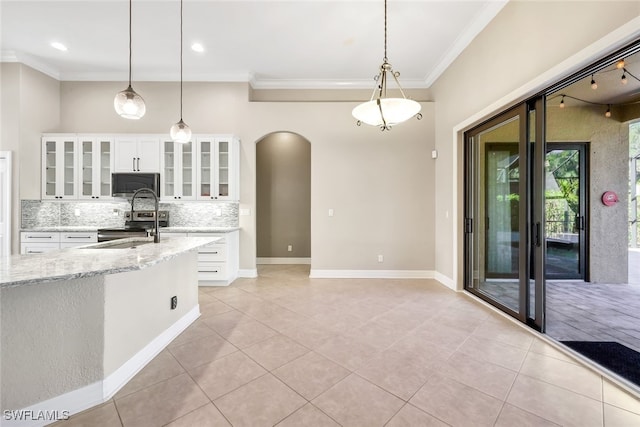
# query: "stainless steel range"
[138,225]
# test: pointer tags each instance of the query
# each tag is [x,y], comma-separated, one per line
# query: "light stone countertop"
[198,229]
[86,261]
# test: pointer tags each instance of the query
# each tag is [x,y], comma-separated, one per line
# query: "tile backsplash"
[43,213]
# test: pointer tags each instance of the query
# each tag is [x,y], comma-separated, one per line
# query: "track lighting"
[594,85]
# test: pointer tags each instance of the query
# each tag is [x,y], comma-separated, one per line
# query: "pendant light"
[180,132]
[380,110]
[128,103]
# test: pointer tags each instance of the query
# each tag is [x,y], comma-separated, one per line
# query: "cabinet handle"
[134,164]
[138,164]
[78,237]
[39,237]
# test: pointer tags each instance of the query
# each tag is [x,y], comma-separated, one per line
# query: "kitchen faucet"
[156,234]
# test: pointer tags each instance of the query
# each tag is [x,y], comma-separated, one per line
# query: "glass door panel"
[564,211]
[187,169]
[86,168]
[205,168]
[223,168]
[169,165]
[51,168]
[105,168]
[495,218]
[69,168]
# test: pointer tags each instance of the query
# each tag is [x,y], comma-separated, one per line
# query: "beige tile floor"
[287,350]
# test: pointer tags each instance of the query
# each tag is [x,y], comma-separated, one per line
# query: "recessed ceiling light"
[59,46]
[197,47]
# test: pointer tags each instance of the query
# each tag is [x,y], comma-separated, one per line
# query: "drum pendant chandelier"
[128,103]
[382,111]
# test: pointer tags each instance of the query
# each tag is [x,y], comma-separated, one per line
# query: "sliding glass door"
[500,231]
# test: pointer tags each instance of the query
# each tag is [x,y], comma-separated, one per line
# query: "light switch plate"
[245,212]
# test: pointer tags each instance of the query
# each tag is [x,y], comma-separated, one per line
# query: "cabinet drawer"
[212,271]
[78,237]
[213,253]
[39,237]
[38,248]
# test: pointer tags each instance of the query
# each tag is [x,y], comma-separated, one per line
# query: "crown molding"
[255,82]
[479,23]
[26,59]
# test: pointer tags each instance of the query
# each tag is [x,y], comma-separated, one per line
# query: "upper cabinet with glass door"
[59,163]
[96,164]
[218,168]
[178,166]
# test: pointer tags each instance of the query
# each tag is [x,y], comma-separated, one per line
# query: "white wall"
[525,48]
[380,184]
[30,105]
[142,298]
[46,335]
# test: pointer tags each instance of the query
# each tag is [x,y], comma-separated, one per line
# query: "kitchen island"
[78,323]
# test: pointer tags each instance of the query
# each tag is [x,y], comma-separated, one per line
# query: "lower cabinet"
[218,262]
[37,242]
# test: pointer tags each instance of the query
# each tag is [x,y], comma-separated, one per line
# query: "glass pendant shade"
[382,111]
[386,111]
[129,104]
[180,132]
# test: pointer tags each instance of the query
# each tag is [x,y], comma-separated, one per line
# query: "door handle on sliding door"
[536,234]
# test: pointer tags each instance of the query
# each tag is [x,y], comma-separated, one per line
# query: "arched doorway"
[283,199]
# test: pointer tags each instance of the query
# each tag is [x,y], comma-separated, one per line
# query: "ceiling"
[609,89]
[272,44]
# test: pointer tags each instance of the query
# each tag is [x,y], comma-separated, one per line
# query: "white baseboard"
[371,274]
[57,408]
[248,273]
[131,367]
[99,392]
[445,280]
[276,260]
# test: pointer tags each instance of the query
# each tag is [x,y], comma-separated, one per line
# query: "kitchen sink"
[121,245]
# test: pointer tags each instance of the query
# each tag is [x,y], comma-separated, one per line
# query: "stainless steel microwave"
[125,184]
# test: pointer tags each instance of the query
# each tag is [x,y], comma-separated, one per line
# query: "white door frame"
[5,203]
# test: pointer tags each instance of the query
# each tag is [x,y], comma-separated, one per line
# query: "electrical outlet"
[380,258]
[174,302]
[77,212]
[289,248]
[330,212]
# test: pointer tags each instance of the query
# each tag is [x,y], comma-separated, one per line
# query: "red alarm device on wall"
[609,198]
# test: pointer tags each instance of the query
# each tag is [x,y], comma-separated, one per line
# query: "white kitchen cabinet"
[137,154]
[218,168]
[59,163]
[218,262]
[36,242]
[69,239]
[178,166]
[96,164]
